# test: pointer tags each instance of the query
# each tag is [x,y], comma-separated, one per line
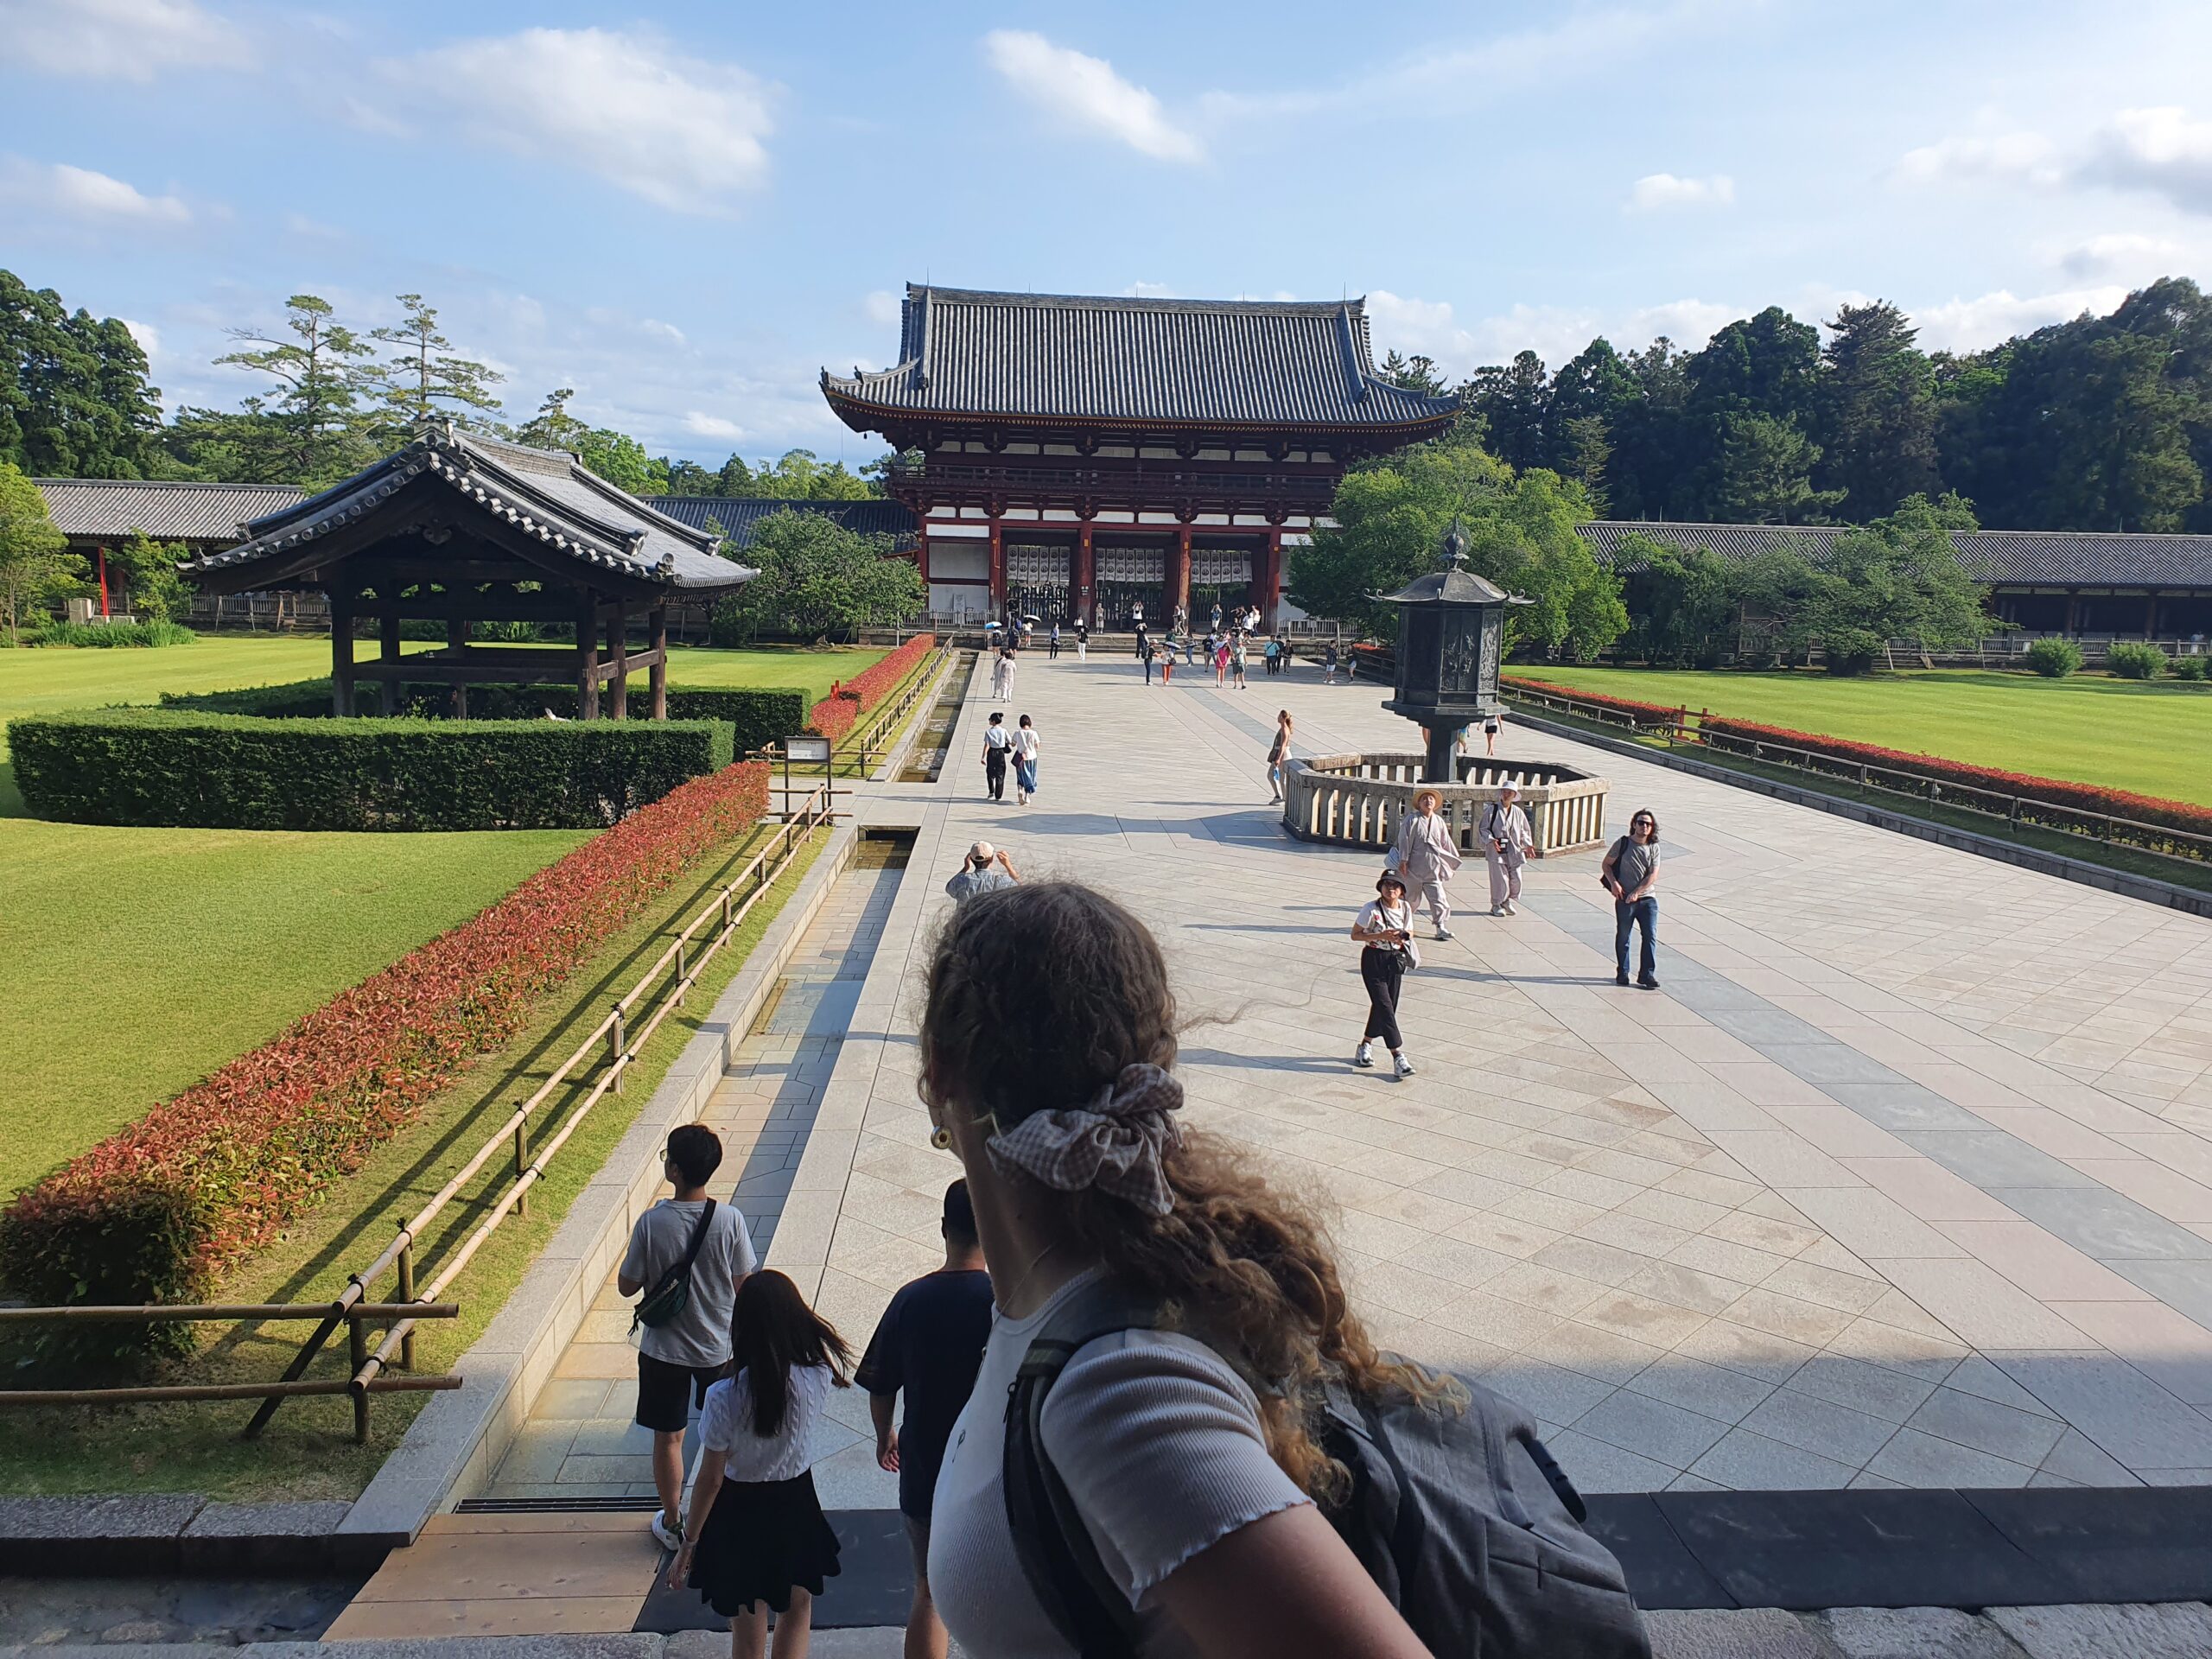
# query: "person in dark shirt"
[928,1345]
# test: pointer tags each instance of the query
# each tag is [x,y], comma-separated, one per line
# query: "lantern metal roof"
[1452,582]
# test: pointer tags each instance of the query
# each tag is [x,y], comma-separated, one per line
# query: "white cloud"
[2022,155]
[2163,150]
[2121,252]
[301,225]
[119,39]
[666,330]
[1656,191]
[1149,291]
[712,426]
[1085,93]
[1554,333]
[629,106]
[1688,323]
[1962,325]
[148,336]
[881,306]
[84,197]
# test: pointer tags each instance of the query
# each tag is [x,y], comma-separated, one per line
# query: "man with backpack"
[687,1255]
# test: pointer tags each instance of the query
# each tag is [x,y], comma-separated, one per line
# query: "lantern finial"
[1455,545]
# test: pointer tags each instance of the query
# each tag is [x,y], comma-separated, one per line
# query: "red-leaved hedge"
[158,1212]
[1625,705]
[2091,798]
[839,712]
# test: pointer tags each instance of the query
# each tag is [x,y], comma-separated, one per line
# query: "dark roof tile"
[739,515]
[86,508]
[2058,559]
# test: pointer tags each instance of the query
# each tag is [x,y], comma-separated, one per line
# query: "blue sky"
[684,212]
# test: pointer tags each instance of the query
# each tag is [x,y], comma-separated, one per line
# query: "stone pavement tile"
[2159,1631]
[1740,1263]
[1755,1633]
[1975,1375]
[1508,1325]
[1554,1395]
[1852,1290]
[1788,1316]
[1754,1231]
[2002,1430]
[1640,1423]
[1598,1466]
[1708,1390]
[1874,1389]
[2173,1351]
[1745,1461]
[1840,1132]
[1979,1304]
[1870,1224]
[1814,1424]
[1739,1348]
[1912,1633]
[1684,1286]
[2117,1407]
[2046,1267]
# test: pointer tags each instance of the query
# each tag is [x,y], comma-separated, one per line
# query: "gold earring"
[941,1138]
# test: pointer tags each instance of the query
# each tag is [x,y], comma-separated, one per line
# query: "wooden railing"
[2107,829]
[612,1043]
[923,683]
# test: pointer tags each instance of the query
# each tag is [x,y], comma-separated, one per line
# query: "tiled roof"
[89,508]
[737,516]
[1232,362]
[2057,558]
[543,492]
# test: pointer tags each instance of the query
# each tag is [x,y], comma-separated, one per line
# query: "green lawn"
[2154,738]
[139,960]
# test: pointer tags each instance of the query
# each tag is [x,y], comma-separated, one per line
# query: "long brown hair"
[1039,995]
[773,1329]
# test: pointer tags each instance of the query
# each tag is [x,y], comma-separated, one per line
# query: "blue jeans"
[1627,916]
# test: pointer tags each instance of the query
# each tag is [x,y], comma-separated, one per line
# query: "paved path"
[1903,1179]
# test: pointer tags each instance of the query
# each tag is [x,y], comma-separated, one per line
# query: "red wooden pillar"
[656,675]
[1271,578]
[1179,571]
[101,553]
[1086,571]
[998,568]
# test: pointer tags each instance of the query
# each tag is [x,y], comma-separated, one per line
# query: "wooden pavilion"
[461,529]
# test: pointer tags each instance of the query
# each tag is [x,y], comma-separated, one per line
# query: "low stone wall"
[1356,800]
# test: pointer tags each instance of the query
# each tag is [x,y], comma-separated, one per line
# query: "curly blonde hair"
[1038,996]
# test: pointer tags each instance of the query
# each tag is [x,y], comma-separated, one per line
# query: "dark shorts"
[666,1392]
[918,1542]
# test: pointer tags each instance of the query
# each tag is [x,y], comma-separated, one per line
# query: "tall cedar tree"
[424,377]
[324,369]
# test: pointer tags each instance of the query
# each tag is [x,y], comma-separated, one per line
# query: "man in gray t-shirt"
[678,1361]
[986,869]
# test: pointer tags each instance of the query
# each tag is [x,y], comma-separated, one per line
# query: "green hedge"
[758,716]
[171,767]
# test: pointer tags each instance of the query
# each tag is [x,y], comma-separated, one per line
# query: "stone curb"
[139,1535]
[2146,888]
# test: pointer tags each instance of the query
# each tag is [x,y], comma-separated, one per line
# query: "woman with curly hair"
[1193,1452]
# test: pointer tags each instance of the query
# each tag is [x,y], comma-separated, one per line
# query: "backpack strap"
[698,1236]
[1050,1540]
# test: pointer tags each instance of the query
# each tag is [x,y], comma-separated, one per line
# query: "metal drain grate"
[557,1506]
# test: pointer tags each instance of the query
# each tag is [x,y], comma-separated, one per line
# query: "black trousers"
[995,773]
[1384,972]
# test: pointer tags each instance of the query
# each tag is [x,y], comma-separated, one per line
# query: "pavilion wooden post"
[456,642]
[1178,572]
[658,674]
[1271,582]
[998,569]
[618,648]
[341,649]
[1086,572]
[388,653]
[587,659]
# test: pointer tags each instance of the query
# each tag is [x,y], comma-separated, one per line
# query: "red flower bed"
[1625,705]
[2091,798]
[157,1211]
[839,712]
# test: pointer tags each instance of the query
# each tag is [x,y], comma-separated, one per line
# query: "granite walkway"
[1904,1178]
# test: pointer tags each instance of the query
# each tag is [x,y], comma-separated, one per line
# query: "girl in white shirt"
[755,1537]
[1026,748]
[1185,1451]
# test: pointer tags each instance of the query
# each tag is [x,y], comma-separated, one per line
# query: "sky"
[685,211]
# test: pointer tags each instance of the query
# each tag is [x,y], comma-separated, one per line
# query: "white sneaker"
[1405,1065]
[1498,910]
[1363,1055]
[1512,909]
[1443,932]
[667,1536]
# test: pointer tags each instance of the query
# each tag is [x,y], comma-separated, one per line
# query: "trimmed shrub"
[2187,668]
[1851,650]
[838,713]
[169,767]
[2054,658]
[2135,660]
[1624,705]
[159,1211]
[2088,798]
[294,700]
[158,631]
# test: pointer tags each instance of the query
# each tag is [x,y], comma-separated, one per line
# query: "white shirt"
[725,1425]
[1159,1441]
[1026,742]
[996,737]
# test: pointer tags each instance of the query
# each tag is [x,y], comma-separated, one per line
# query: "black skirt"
[762,1540]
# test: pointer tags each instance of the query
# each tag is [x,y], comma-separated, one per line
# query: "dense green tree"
[1586,447]
[33,566]
[1897,578]
[1876,413]
[73,397]
[1391,517]
[1684,602]
[1513,405]
[424,377]
[320,432]
[157,592]
[1414,373]
[1764,474]
[818,579]
[615,457]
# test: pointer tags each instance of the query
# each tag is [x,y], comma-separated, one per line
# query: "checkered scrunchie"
[1114,1144]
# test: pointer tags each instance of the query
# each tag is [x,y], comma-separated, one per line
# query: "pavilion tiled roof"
[543,492]
[2055,558]
[1201,362]
[738,515]
[109,509]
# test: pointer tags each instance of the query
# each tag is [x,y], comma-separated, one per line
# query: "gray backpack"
[1463,1519]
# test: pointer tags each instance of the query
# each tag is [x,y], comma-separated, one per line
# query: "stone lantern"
[1451,635]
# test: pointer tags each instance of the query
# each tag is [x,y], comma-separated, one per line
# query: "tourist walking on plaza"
[692,1242]
[1492,721]
[986,869]
[1278,751]
[1220,662]
[1329,664]
[1504,832]
[927,1346]
[1052,645]
[1190,1457]
[1427,853]
[1384,930]
[1082,640]
[998,748]
[1630,871]
[758,1539]
[1237,662]
[1027,745]
[1145,654]
[1213,625]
